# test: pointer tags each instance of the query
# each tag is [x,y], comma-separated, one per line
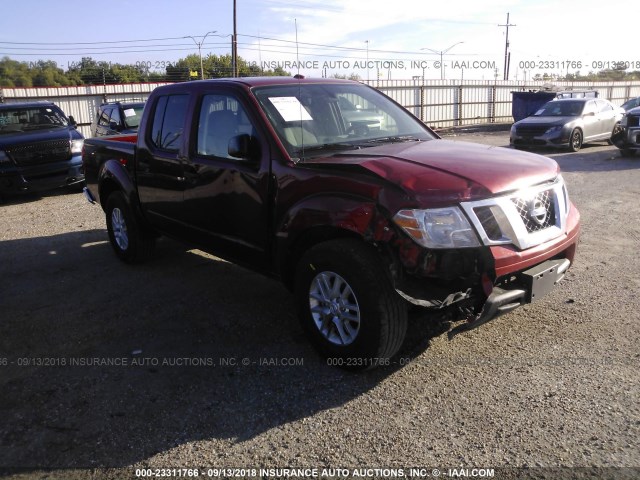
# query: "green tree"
[92,72]
[14,73]
[352,76]
[47,74]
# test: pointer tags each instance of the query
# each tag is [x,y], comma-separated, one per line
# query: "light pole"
[199,44]
[367,42]
[441,53]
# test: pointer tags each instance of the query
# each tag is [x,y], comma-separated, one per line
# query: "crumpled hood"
[456,170]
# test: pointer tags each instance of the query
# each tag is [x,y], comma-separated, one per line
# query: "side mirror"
[72,122]
[244,147]
[114,126]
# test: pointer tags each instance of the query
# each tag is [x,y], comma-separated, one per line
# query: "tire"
[616,133]
[347,305]
[130,241]
[575,140]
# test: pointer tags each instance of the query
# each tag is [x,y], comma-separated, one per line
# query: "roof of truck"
[267,81]
[37,103]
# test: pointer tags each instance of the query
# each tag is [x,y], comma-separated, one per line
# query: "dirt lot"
[188,361]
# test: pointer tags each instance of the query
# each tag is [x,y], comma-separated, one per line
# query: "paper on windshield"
[129,112]
[290,108]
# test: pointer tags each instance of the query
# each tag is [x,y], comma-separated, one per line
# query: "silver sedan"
[569,123]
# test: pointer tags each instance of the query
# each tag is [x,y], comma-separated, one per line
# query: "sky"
[399,39]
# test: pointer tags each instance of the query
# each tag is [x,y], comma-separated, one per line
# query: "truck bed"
[98,151]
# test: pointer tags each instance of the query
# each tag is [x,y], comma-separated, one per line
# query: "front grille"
[524,218]
[633,121]
[537,213]
[489,222]
[531,130]
[39,153]
[532,141]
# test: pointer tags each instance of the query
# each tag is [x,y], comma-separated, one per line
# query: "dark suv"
[40,148]
[628,139]
[117,118]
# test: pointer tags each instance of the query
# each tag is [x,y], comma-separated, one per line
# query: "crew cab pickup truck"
[359,215]
[40,148]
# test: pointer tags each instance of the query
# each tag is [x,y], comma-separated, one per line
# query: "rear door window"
[168,122]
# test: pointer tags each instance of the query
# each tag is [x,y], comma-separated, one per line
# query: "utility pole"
[234,44]
[507,54]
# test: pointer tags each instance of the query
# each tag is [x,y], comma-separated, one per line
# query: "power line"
[335,47]
[6,45]
[75,54]
[94,43]
[103,48]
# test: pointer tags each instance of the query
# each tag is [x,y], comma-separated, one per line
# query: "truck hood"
[450,170]
[13,139]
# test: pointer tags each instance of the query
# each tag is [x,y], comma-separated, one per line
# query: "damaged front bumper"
[628,140]
[489,282]
[528,286]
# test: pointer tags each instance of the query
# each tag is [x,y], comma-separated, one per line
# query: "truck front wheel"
[347,305]
[130,241]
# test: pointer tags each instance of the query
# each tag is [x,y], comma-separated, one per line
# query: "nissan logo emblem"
[537,211]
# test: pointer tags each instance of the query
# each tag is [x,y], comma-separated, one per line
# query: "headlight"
[624,121]
[438,227]
[554,129]
[76,146]
[3,157]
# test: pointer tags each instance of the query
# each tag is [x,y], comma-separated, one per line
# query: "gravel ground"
[208,367]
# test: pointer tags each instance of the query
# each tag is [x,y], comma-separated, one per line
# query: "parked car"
[117,118]
[628,139]
[524,104]
[358,223]
[359,119]
[568,123]
[629,104]
[40,148]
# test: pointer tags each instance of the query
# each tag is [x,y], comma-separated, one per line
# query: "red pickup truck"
[338,191]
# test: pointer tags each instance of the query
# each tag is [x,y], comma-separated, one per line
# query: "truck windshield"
[313,119]
[25,119]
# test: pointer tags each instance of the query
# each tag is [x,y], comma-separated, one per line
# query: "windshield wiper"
[395,139]
[328,146]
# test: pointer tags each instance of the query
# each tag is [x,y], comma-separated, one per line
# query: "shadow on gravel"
[589,158]
[29,197]
[597,161]
[105,365]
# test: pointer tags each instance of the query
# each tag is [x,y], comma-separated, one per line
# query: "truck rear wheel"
[347,305]
[130,241]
